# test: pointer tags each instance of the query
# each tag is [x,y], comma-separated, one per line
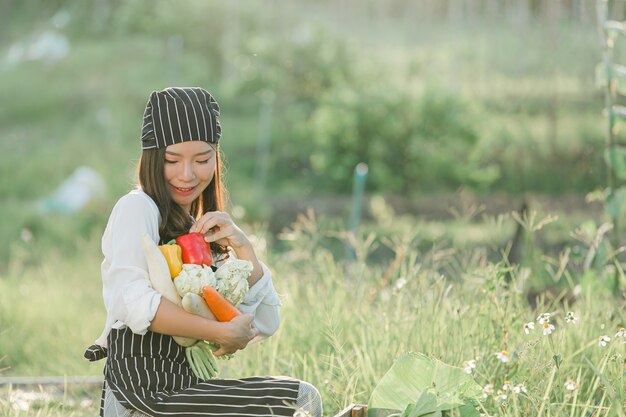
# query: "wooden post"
[353,410]
[358,190]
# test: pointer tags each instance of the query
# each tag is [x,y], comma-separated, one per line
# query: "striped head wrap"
[180,114]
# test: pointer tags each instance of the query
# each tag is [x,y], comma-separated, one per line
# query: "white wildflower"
[488,390]
[570,318]
[501,395]
[603,341]
[544,318]
[469,366]
[548,328]
[519,389]
[571,385]
[528,327]
[621,333]
[503,356]
[401,282]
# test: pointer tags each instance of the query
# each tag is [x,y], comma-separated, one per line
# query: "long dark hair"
[174,220]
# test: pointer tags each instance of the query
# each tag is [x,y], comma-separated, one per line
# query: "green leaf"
[615,203]
[417,377]
[468,410]
[602,255]
[616,159]
[426,404]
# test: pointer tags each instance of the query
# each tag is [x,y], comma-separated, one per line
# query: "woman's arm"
[261,301]
[172,320]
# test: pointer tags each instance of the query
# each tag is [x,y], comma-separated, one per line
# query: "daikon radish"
[194,304]
[161,281]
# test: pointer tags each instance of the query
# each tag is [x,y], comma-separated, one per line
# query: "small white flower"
[503,356]
[501,395]
[519,389]
[621,333]
[488,390]
[571,385]
[570,318]
[506,386]
[544,318]
[548,328]
[528,327]
[401,282]
[603,341]
[469,365]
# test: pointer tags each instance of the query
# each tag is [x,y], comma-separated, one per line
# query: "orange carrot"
[220,307]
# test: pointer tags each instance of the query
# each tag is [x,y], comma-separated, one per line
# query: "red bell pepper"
[195,249]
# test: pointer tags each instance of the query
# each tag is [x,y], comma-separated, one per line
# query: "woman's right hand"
[237,334]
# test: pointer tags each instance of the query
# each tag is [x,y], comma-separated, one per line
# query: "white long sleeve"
[128,296]
[263,303]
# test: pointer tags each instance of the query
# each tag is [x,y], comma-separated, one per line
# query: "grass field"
[344,324]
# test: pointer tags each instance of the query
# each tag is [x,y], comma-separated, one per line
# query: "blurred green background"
[496,98]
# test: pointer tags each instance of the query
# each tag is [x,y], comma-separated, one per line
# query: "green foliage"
[418,385]
[409,142]
[300,71]
[442,110]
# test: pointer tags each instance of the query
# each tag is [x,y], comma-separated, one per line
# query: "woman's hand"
[217,226]
[237,334]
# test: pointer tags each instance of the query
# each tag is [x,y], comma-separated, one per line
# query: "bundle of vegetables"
[182,273]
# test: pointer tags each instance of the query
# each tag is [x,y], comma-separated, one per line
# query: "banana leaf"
[417,385]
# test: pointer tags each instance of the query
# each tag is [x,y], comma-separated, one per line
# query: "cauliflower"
[232,280]
[192,278]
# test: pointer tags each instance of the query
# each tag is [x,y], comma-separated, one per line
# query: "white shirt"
[129,299]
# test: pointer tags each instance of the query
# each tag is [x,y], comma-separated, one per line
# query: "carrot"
[221,307]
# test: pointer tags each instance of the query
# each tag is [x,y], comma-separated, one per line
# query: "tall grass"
[344,324]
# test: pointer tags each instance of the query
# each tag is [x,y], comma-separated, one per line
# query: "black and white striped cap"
[180,114]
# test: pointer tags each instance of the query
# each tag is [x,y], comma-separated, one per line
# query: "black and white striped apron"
[150,373]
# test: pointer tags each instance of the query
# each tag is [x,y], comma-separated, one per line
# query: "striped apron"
[150,374]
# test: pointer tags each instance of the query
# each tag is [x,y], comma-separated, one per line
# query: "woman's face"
[189,169]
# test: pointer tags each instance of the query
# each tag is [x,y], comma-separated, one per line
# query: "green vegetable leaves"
[419,386]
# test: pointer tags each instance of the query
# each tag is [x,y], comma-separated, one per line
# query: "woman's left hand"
[217,226]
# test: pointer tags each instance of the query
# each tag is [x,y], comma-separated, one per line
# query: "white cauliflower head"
[192,278]
[232,280]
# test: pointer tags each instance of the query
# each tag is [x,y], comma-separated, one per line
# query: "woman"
[180,191]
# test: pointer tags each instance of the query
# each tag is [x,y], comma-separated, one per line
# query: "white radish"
[161,280]
[204,365]
[194,304]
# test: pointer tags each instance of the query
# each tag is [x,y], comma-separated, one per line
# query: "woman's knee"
[309,400]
